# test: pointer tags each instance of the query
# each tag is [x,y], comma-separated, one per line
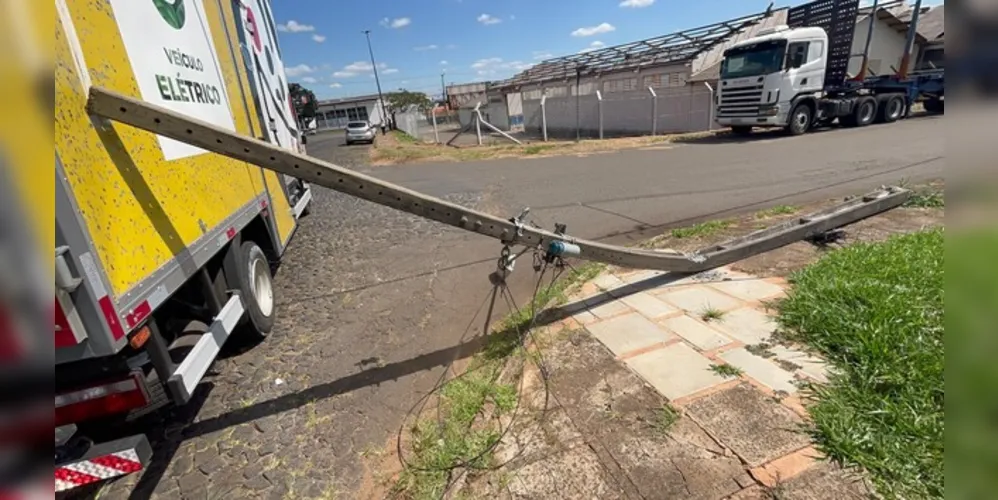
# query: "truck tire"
[741,130]
[864,112]
[248,271]
[800,119]
[891,109]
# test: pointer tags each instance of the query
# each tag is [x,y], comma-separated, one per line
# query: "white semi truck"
[794,76]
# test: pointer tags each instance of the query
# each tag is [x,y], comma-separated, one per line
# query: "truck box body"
[141,218]
[150,221]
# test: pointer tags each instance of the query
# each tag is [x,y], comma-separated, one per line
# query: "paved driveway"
[374,303]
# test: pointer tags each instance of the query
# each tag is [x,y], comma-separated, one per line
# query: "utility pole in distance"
[443,89]
[374,66]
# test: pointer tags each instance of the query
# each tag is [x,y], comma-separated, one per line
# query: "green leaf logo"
[172,12]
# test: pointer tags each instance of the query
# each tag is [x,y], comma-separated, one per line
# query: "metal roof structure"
[674,48]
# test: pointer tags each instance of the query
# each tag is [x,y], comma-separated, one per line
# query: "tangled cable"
[472,459]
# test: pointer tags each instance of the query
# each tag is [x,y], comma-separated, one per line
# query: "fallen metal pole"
[115,106]
[494,128]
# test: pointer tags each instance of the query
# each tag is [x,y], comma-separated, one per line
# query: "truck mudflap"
[102,462]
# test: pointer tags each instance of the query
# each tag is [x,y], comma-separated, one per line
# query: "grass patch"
[700,230]
[776,211]
[665,418]
[401,148]
[709,314]
[875,311]
[537,148]
[926,199]
[725,370]
[470,404]
[405,138]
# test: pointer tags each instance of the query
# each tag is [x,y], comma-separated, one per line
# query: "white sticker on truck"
[170,49]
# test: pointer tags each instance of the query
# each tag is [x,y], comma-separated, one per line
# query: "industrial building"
[335,113]
[661,85]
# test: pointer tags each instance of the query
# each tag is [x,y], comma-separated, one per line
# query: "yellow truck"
[163,250]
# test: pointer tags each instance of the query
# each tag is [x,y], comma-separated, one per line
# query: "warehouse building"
[336,113]
[662,84]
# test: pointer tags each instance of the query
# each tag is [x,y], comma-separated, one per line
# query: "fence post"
[478,123]
[599,110]
[654,110]
[710,108]
[433,116]
[544,117]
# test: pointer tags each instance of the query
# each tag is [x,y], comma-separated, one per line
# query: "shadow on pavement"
[393,371]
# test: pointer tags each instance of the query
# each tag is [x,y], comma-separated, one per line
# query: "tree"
[402,99]
[303,100]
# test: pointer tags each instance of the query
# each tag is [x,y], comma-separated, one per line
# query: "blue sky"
[467,40]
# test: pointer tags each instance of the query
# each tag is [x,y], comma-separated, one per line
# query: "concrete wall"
[682,109]
[514,103]
[886,48]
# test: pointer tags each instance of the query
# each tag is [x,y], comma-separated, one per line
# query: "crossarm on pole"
[134,112]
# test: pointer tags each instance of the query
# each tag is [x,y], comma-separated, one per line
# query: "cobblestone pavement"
[373,303]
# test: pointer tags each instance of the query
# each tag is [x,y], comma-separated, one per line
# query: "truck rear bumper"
[102,462]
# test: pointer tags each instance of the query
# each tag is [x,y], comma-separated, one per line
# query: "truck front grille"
[739,102]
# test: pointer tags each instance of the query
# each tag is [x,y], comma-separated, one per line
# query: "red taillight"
[100,400]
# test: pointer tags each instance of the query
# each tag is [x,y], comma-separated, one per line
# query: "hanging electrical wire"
[519,335]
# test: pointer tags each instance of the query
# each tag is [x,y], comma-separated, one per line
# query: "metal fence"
[421,125]
[636,112]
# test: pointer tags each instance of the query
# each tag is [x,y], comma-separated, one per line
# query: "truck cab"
[763,77]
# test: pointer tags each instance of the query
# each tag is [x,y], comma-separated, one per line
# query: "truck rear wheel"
[864,112]
[248,271]
[800,119]
[891,109]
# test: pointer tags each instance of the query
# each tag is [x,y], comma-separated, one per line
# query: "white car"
[360,132]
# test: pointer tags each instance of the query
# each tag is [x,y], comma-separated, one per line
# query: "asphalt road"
[373,303]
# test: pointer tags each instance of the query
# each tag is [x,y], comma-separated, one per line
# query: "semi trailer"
[794,76]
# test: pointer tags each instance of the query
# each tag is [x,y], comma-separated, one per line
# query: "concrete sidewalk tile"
[606,308]
[748,325]
[607,282]
[696,333]
[648,305]
[574,470]
[761,369]
[675,370]
[585,317]
[786,467]
[638,277]
[827,481]
[750,423]
[812,366]
[628,333]
[696,298]
[752,493]
[749,289]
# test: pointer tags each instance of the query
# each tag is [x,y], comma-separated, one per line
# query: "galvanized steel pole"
[377,81]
